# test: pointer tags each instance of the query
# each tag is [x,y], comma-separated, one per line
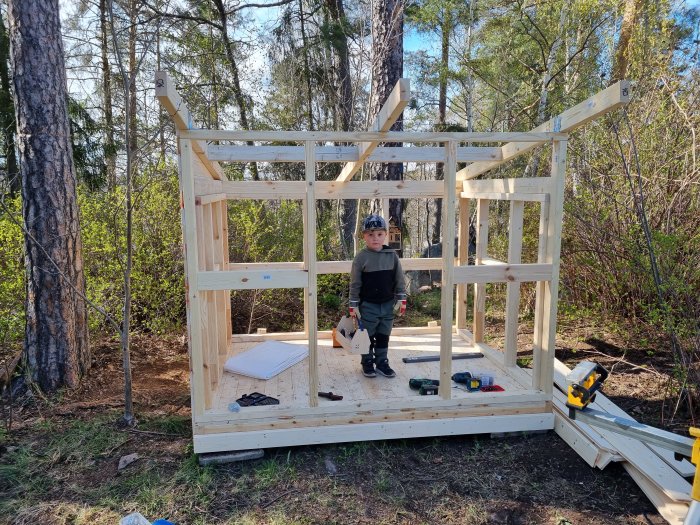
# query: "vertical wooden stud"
[539,294]
[551,288]
[515,248]
[209,298]
[224,263]
[449,206]
[194,328]
[220,299]
[311,317]
[482,240]
[462,260]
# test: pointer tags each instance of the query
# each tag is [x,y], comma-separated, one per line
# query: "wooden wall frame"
[210,277]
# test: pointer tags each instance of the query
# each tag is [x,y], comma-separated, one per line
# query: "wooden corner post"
[548,291]
[201,393]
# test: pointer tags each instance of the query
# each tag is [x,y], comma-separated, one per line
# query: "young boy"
[376,286]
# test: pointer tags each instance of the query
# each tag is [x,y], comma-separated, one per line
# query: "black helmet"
[374,222]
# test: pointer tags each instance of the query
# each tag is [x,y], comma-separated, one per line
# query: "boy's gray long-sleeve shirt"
[376,277]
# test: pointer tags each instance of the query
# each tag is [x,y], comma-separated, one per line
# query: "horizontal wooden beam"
[209,198]
[247,276]
[233,440]
[177,109]
[296,190]
[539,185]
[530,197]
[252,280]
[505,273]
[599,104]
[407,265]
[229,153]
[368,136]
[404,189]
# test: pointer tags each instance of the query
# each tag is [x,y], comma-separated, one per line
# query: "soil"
[524,479]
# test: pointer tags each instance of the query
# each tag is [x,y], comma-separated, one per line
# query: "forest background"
[630,258]
[631,236]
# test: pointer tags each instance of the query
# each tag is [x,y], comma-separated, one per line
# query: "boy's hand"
[352,311]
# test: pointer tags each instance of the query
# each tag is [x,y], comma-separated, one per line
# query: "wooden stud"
[189,228]
[311,318]
[551,288]
[482,239]
[515,246]
[462,260]
[449,205]
[204,309]
[539,295]
[224,265]
[212,327]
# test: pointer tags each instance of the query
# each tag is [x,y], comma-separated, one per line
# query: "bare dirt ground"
[516,480]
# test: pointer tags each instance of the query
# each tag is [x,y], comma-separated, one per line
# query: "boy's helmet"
[374,222]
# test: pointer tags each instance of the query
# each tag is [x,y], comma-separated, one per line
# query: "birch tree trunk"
[56,335]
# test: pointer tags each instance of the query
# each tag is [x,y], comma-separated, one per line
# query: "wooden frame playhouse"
[373,409]
[376,409]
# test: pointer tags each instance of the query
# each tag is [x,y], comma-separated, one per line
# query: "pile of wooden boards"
[660,476]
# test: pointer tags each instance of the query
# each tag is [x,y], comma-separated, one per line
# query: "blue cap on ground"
[162,522]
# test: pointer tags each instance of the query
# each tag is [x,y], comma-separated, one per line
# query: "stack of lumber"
[660,476]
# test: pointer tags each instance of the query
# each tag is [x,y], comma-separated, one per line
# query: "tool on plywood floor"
[256,399]
[428,358]
[425,387]
[331,396]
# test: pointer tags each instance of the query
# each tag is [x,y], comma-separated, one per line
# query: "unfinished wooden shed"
[377,408]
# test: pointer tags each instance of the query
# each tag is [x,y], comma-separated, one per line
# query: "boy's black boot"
[384,368]
[368,367]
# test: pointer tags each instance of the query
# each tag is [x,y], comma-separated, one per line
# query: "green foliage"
[12,276]
[157,274]
[88,151]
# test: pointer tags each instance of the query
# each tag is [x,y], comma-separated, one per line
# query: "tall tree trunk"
[387,69]
[307,69]
[7,114]
[235,79]
[56,335]
[341,72]
[442,112]
[630,17]
[110,147]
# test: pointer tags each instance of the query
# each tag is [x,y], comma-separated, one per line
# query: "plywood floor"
[339,372]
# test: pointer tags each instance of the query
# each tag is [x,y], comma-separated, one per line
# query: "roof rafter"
[392,108]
